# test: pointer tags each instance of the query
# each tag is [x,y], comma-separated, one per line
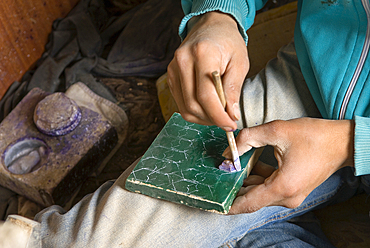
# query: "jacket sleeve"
[362,146]
[243,11]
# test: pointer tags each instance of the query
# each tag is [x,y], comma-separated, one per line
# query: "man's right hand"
[213,43]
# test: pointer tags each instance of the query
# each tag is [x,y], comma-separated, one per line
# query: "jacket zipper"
[360,64]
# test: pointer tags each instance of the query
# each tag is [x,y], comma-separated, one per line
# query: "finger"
[243,191]
[238,204]
[256,197]
[181,77]
[233,80]
[260,136]
[263,169]
[174,84]
[275,191]
[193,110]
[245,203]
[253,180]
[208,97]
[206,89]
[242,143]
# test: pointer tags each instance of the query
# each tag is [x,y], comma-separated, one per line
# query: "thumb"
[258,136]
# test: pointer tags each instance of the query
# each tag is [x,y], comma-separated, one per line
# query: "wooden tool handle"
[230,135]
[220,90]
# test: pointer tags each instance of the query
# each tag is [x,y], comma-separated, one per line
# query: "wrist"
[362,146]
[345,142]
[212,18]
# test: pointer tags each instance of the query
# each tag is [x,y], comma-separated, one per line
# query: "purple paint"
[57,115]
[227,165]
[237,164]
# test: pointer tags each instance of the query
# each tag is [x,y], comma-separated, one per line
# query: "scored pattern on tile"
[184,158]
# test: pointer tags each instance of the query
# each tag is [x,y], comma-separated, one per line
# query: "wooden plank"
[271,30]
[24,30]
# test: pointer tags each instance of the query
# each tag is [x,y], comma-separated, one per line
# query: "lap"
[113,216]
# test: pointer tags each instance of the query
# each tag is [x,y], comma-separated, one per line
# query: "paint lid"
[57,115]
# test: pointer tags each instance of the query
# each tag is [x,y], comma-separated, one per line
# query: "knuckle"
[181,56]
[203,97]
[285,189]
[244,134]
[171,67]
[276,127]
[294,202]
[188,117]
[179,53]
[231,88]
[206,50]
[251,209]
[289,193]
[246,69]
[200,48]
[170,78]
[292,195]
[192,109]
[244,65]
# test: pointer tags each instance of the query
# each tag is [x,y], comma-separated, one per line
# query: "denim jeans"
[115,217]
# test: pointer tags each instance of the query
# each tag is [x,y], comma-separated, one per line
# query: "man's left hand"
[308,152]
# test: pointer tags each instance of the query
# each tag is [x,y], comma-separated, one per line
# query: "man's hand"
[212,44]
[308,152]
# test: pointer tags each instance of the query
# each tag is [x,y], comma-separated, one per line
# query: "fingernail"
[228,129]
[236,111]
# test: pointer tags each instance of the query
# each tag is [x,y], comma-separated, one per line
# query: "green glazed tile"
[181,166]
